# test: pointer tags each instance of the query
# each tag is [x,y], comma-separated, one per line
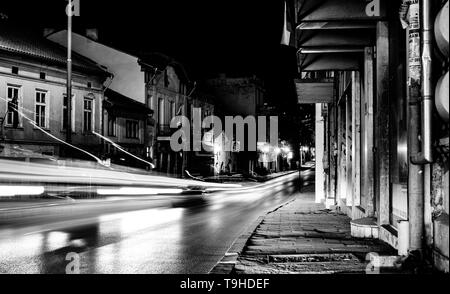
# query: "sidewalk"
[301,237]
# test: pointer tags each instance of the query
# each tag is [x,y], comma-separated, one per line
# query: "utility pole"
[69,12]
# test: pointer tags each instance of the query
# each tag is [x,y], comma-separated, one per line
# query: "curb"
[228,262]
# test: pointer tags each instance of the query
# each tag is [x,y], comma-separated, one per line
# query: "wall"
[129,79]
[236,96]
[55,87]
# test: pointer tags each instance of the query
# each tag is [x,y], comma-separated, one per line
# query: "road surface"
[183,234]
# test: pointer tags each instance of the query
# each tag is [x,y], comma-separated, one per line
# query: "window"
[42,75]
[161,111]
[13,94]
[15,70]
[41,109]
[87,115]
[150,101]
[172,110]
[89,84]
[111,125]
[166,79]
[132,129]
[65,113]
[182,89]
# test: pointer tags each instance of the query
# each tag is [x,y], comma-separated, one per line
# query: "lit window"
[161,111]
[150,101]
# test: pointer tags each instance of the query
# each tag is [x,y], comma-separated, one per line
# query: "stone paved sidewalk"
[304,237]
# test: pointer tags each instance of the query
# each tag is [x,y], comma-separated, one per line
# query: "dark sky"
[216,33]
[208,36]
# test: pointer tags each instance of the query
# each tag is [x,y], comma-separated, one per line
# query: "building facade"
[170,93]
[125,125]
[237,96]
[128,122]
[375,71]
[33,83]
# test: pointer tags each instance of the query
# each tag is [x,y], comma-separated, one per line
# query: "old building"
[375,70]
[33,79]
[243,96]
[156,82]
[127,121]
[170,93]
[124,125]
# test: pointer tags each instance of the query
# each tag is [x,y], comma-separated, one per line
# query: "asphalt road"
[134,234]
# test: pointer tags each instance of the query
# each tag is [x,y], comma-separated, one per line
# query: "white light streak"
[8,191]
[137,191]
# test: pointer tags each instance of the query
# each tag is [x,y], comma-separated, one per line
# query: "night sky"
[239,37]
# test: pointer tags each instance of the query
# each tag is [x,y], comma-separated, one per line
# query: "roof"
[161,61]
[18,41]
[124,103]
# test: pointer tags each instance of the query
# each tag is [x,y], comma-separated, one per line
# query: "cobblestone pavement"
[304,237]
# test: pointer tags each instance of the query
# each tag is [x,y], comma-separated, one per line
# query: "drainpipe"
[425,156]
[409,13]
[102,121]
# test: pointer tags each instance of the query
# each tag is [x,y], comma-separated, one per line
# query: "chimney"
[92,34]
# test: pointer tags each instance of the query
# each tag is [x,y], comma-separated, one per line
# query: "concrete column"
[367,162]
[349,147]
[332,131]
[382,123]
[356,136]
[320,148]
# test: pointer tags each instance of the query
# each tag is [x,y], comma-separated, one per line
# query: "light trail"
[123,150]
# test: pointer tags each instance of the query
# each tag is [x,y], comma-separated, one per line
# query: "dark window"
[111,125]
[89,84]
[172,109]
[15,70]
[13,99]
[132,129]
[41,109]
[42,75]
[166,79]
[87,115]
[64,122]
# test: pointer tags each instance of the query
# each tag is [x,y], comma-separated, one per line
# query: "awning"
[314,91]
[120,105]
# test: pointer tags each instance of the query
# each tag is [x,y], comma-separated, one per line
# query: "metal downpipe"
[425,156]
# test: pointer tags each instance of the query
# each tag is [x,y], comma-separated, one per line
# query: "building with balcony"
[171,93]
